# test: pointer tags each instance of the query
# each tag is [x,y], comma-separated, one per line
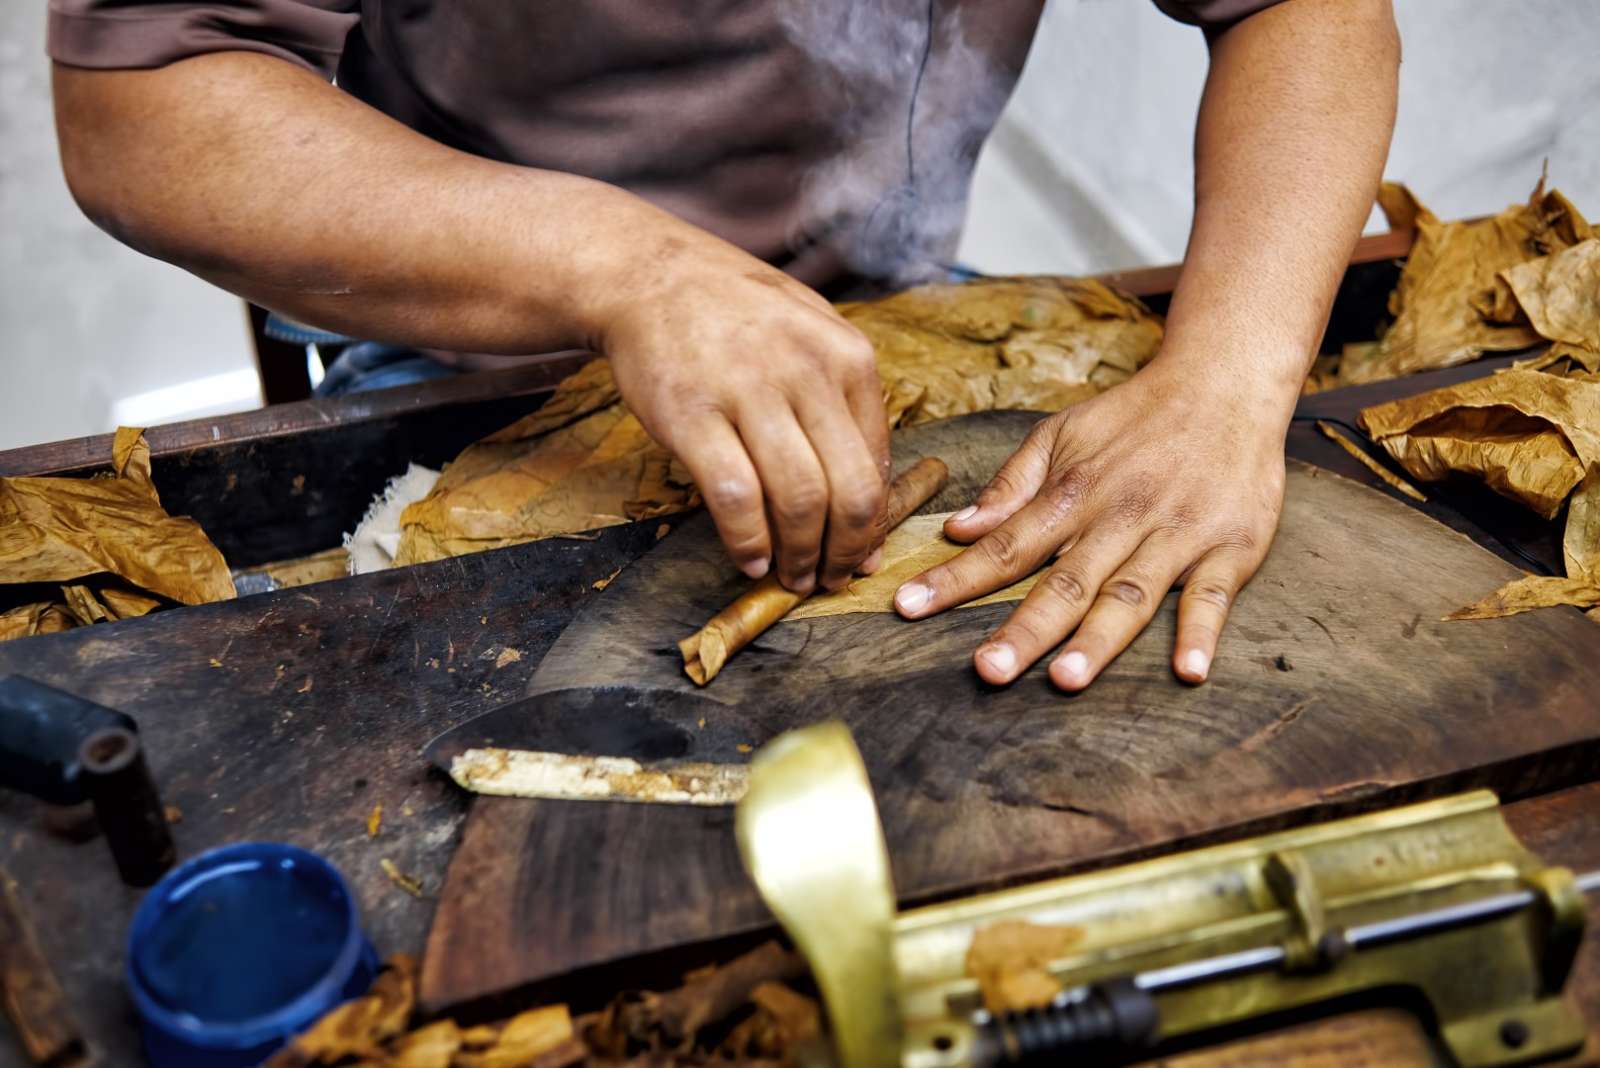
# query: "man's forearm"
[264,179]
[1293,131]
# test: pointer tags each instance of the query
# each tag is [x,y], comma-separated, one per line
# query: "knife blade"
[608,743]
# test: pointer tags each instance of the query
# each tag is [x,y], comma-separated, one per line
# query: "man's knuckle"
[1066,585]
[857,355]
[861,506]
[1125,589]
[1073,484]
[732,495]
[1237,538]
[1209,591]
[801,504]
[1003,547]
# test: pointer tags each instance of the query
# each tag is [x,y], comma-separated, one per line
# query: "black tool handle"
[126,803]
[41,731]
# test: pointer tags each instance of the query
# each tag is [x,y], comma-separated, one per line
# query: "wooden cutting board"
[1336,688]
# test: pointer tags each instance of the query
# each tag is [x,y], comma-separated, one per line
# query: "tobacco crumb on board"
[297,486]
[1282,663]
[701,723]
[400,878]
[743,748]
[483,620]
[601,584]
[306,686]
[173,813]
[215,662]
[433,662]
[508,655]
[405,810]
[663,530]
[375,820]
[1010,959]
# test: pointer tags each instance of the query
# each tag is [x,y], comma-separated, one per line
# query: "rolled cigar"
[743,621]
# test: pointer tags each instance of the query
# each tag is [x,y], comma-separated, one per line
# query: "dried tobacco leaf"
[1530,436]
[1451,304]
[64,529]
[432,1046]
[1010,960]
[1560,296]
[30,619]
[1580,546]
[671,1020]
[583,461]
[529,1038]
[358,1028]
[782,1022]
[1533,437]
[1333,434]
[1534,591]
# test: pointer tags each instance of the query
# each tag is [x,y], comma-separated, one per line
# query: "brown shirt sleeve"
[1212,13]
[120,34]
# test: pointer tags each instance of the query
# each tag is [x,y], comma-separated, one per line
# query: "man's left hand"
[1168,479]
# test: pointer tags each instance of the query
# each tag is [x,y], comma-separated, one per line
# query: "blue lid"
[242,947]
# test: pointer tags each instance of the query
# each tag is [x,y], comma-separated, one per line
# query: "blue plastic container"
[235,951]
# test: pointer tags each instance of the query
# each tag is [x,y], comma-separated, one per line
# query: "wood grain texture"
[1336,689]
[285,717]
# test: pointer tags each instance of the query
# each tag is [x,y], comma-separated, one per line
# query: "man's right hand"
[265,179]
[766,394]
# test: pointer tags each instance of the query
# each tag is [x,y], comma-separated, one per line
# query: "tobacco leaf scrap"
[433,1046]
[583,461]
[1534,591]
[669,1021]
[1529,435]
[358,1028]
[1010,960]
[1337,436]
[107,543]
[1454,301]
[410,884]
[529,1038]
[1533,437]
[741,1012]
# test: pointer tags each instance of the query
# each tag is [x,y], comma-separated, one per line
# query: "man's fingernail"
[756,568]
[1196,663]
[1002,659]
[1075,666]
[873,561]
[912,598]
[804,584]
[965,514]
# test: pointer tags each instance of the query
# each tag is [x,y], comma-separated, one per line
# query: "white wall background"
[85,321]
[1091,166]
[1089,170]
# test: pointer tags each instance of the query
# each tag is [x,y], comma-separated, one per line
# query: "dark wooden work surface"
[1338,688]
[322,697]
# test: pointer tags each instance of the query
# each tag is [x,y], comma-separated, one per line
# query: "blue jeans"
[368,365]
